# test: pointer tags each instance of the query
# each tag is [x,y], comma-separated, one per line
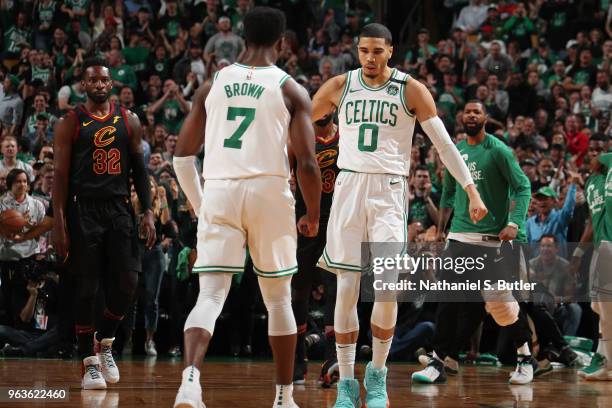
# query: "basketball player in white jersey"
[377,109]
[245,118]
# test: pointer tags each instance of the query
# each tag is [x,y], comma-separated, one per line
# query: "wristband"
[578,252]
[513,225]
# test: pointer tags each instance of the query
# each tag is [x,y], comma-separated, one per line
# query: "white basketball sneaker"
[150,349]
[104,351]
[92,377]
[284,397]
[524,370]
[190,392]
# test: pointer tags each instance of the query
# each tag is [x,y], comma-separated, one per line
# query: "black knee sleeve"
[520,331]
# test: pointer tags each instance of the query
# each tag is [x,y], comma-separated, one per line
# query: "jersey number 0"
[362,145]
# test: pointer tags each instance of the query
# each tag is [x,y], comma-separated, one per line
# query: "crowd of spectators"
[541,68]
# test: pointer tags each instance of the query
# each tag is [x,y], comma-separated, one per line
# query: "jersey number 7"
[234,142]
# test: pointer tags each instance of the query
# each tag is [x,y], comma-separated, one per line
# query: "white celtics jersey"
[247,124]
[375,126]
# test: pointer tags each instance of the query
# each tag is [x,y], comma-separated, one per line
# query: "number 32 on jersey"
[106,161]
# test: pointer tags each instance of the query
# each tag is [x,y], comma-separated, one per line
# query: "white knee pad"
[214,288]
[347,295]
[504,313]
[384,315]
[276,293]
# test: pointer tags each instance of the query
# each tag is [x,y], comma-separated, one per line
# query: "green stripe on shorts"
[217,269]
[337,265]
[275,274]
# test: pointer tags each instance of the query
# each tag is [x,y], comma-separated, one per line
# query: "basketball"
[12,221]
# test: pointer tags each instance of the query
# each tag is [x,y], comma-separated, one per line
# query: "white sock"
[600,347]
[284,394]
[191,375]
[606,346]
[523,350]
[346,360]
[380,351]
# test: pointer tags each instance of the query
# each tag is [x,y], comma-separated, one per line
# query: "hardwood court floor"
[152,383]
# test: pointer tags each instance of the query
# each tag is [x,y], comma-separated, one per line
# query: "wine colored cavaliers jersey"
[100,154]
[327,158]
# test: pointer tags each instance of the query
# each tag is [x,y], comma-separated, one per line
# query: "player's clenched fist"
[308,226]
[477,209]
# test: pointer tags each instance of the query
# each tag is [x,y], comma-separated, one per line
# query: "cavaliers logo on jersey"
[105,136]
[326,158]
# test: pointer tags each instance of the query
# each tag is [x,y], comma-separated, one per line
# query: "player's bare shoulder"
[200,95]
[67,125]
[69,118]
[328,96]
[333,88]
[295,96]
[419,99]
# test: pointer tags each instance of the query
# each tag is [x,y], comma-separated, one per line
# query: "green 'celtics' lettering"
[244,89]
[371,111]
[234,142]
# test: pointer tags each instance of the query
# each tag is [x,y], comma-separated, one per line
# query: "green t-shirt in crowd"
[448,104]
[14,37]
[420,53]
[136,57]
[581,77]
[553,79]
[160,67]
[80,5]
[124,74]
[41,73]
[76,97]
[518,26]
[498,178]
[171,116]
[237,23]
[46,12]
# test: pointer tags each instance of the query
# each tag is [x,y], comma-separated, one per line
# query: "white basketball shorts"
[366,208]
[258,212]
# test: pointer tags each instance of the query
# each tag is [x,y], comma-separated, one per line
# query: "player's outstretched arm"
[327,98]
[141,177]
[189,144]
[421,102]
[302,141]
[65,130]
